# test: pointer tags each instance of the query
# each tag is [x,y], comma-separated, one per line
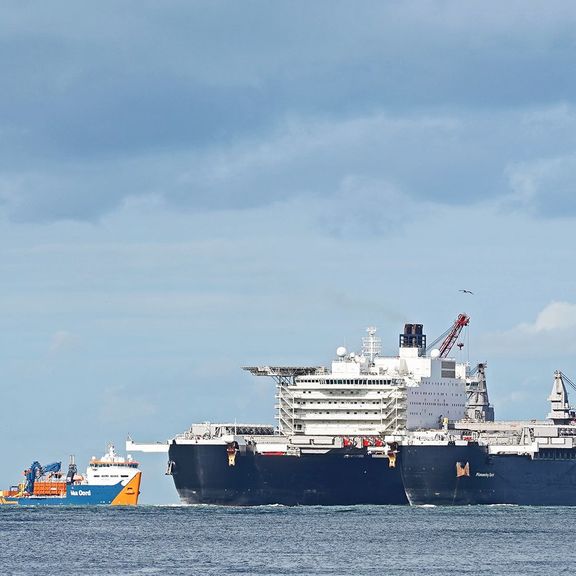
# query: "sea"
[277,540]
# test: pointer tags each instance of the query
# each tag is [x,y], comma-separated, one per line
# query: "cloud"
[362,208]
[442,158]
[119,405]
[546,186]
[557,316]
[81,193]
[60,340]
[554,324]
[439,103]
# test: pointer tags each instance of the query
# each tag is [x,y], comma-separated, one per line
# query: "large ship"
[111,479]
[338,433]
[524,463]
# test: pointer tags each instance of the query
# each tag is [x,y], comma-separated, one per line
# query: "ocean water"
[274,540]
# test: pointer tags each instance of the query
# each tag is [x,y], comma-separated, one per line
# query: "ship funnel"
[413,337]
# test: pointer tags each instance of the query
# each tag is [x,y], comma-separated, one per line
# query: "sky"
[190,187]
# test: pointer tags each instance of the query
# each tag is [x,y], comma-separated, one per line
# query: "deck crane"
[451,335]
[36,471]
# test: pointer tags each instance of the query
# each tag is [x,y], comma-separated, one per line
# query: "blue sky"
[191,187]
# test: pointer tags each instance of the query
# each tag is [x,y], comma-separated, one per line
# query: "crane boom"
[36,471]
[454,332]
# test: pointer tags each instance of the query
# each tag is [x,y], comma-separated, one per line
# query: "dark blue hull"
[344,476]
[457,475]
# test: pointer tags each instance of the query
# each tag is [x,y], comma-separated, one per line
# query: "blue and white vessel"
[110,480]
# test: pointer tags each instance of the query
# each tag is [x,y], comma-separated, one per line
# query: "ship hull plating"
[203,475]
[120,494]
[463,475]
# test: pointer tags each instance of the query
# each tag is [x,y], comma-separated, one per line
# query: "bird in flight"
[466,291]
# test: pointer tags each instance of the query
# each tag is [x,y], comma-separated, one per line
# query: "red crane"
[450,336]
[453,333]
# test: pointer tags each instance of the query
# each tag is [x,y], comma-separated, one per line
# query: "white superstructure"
[531,438]
[366,394]
[111,469]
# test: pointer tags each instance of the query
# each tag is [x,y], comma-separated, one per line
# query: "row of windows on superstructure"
[378,382]
[341,392]
[424,393]
[346,403]
[426,383]
[453,405]
[310,413]
[437,404]
[100,464]
[110,476]
[350,422]
[346,381]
